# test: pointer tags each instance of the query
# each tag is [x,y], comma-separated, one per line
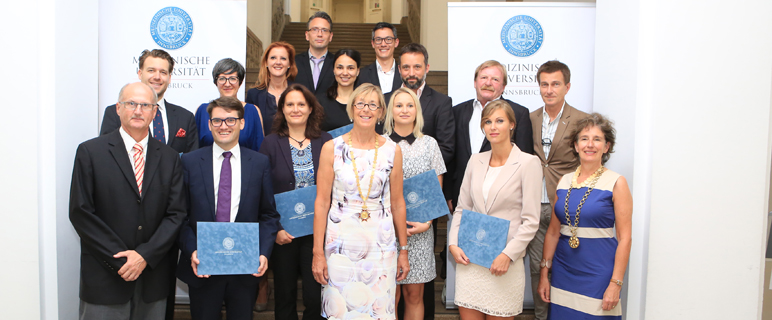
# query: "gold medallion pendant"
[573,242]
[364,215]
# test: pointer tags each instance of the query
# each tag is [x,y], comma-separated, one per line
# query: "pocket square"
[181,133]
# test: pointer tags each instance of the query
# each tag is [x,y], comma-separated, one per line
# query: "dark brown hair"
[314,119]
[156,53]
[554,66]
[605,125]
[227,103]
[264,77]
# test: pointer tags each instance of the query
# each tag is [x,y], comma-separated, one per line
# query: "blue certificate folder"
[424,200]
[228,247]
[482,237]
[340,131]
[296,208]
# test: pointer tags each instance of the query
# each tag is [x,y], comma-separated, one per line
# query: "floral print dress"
[361,255]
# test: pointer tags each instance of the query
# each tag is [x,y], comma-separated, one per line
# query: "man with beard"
[438,124]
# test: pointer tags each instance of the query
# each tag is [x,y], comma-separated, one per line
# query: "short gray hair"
[155,95]
[226,66]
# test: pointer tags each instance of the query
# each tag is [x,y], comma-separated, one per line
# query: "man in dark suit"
[225,183]
[552,146]
[126,204]
[490,79]
[172,124]
[438,124]
[315,65]
[383,72]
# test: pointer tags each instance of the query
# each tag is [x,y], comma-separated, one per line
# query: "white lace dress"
[478,289]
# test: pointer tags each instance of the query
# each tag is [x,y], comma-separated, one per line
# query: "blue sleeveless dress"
[580,276]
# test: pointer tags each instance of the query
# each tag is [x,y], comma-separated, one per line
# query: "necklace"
[364,215]
[593,179]
[299,142]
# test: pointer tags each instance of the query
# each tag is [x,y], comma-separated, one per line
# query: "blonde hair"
[363,90]
[499,105]
[418,124]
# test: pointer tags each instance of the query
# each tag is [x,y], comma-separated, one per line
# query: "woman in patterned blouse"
[294,149]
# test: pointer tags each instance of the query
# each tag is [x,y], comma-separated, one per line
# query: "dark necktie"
[223,213]
[158,127]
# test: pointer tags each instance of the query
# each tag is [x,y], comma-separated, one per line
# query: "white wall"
[700,138]
[259,17]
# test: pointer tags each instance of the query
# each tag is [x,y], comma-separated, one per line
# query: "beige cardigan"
[515,196]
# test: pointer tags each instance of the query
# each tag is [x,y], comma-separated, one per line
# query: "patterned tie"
[139,165]
[316,71]
[223,213]
[158,127]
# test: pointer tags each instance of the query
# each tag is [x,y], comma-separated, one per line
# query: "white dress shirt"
[548,132]
[129,143]
[162,107]
[386,78]
[235,176]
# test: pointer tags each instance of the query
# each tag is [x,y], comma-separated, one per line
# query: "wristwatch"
[404,247]
[546,263]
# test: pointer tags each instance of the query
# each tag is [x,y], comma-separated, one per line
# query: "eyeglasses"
[232,80]
[131,105]
[389,40]
[361,105]
[546,142]
[230,121]
[317,30]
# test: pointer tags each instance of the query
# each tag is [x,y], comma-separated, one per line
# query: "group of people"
[139,190]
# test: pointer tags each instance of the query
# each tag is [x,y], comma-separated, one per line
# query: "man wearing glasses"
[226,183]
[127,205]
[315,66]
[383,72]
[173,125]
[550,144]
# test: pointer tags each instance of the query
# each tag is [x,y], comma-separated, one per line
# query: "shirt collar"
[162,105]
[545,115]
[129,142]
[311,55]
[397,138]
[390,72]
[420,89]
[478,103]
[217,151]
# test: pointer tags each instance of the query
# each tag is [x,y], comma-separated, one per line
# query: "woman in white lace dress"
[504,183]
[420,153]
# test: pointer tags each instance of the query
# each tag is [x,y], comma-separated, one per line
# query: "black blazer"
[256,205]
[462,112]
[110,216]
[178,117]
[369,74]
[306,77]
[439,123]
[283,171]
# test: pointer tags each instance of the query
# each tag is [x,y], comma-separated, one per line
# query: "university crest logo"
[522,36]
[171,28]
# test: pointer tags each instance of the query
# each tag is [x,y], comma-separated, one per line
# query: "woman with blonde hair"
[420,153]
[359,216]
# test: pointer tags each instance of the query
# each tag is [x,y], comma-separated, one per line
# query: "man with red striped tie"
[127,205]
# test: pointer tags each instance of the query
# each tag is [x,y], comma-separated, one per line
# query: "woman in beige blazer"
[504,183]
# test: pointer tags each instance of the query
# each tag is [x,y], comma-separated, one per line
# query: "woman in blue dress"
[588,262]
[228,76]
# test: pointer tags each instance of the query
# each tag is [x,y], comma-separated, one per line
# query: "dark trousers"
[289,261]
[206,301]
[171,298]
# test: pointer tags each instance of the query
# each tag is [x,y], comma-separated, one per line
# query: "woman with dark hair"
[294,148]
[277,71]
[228,75]
[588,242]
[346,71]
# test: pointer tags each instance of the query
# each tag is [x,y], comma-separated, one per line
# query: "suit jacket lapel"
[537,134]
[478,176]
[463,133]
[171,117]
[506,173]
[316,148]
[286,153]
[246,173]
[118,151]
[565,119]
[206,165]
[397,82]
[304,67]
[373,70]
[152,159]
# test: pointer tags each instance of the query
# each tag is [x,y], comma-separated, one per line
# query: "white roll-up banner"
[521,36]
